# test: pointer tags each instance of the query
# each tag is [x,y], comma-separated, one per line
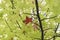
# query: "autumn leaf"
[27,20]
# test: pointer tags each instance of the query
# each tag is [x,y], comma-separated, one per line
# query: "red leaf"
[27,20]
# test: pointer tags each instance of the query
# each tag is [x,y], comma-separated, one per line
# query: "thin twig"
[56,35]
[8,26]
[56,31]
[47,29]
[18,24]
[12,2]
[13,7]
[30,14]
[48,18]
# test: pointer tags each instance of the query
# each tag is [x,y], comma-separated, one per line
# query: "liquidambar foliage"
[29,19]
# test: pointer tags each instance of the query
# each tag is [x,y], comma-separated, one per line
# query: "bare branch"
[39,19]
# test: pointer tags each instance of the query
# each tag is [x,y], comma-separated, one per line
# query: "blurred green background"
[14,12]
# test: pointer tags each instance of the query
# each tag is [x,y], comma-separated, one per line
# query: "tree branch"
[39,19]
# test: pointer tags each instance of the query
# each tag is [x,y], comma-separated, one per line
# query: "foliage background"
[10,21]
